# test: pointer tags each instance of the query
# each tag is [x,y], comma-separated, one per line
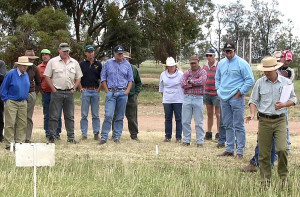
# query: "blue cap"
[210,52]
[119,49]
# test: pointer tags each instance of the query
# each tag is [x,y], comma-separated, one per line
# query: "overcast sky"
[289,8]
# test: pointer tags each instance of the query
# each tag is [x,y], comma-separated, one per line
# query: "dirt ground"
[150,118]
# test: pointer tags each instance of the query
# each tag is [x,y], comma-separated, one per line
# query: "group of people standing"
[57,79]
[222,86]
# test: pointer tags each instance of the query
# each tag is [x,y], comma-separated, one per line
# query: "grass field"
[134,169]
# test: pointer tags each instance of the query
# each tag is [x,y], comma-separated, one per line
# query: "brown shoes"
[221,146]
[96,137]
[238,156]
[249,168]
[84,138]
[226,154]
[178,141]
[167,140]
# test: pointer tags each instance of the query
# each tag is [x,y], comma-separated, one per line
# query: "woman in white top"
[172,93]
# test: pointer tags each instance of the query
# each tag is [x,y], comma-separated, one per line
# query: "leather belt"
[64,90]
[117,89]
[271,116]
[90,88]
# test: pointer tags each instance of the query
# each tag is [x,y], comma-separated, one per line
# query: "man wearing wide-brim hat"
[14,93]
[265,98]
[35,83]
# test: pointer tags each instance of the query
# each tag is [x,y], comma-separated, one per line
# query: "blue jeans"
[114,100]
[90,98]
[255,160]
[192,105]
[222,132]
[46,97]
[233,120]
[169,109]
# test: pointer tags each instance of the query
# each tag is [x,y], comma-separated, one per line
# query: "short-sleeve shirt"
[63,75]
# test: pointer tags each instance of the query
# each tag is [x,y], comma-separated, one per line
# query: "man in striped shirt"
[193,83]
[212,100]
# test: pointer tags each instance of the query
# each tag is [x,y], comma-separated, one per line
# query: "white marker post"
[33,155]
[156,149]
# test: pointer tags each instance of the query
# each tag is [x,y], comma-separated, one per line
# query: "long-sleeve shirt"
[170,86]
[198,79]
[137,84]
[15,86]
[232,76]
[117,75]
[266,93]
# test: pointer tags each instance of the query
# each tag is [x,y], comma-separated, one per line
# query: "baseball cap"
[45,51]
[229,47]
[194,58]
[119,49]
[287,55]
[89,48]
[277,54]
[64,47]
[210,52]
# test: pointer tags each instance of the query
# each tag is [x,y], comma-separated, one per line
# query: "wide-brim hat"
[171,62]
[30,54]
[269,64]
[23,60]
[277,54]
[126,55]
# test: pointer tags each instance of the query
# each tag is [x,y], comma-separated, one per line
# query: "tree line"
[150,29]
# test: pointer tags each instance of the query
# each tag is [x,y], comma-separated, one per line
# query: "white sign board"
[44,156]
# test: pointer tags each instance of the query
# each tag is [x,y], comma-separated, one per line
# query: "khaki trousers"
[30,109]
[15,121]
[267,128]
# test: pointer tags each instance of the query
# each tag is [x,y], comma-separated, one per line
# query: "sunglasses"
[209,55]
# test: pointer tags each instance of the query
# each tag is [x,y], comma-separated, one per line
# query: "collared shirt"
[44,85]
[266,93]
[15,86]
[198,78]
[137,83]
[117,75]
[91,73]
[210,87]
[232,76]
[63,75]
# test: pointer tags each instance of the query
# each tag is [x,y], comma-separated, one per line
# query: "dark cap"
[119,49]
[229,47]
[210,52]
[89,48]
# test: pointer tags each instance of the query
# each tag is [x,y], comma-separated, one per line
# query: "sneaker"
[178,141]
[186,144]
[167,140]
[84,138]
[73,141]
[221,146]
[238,156]
[208,135]
[249,168]
[102,142]
[226,154]
[96,136]
[117,141]
[217,136]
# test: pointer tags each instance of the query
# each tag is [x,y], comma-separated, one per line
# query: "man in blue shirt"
[234,78]
[14,93]
[116,78]
[90,88]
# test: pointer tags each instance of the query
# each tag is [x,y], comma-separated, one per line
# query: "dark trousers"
[62,100]
[169,109]
[1,119]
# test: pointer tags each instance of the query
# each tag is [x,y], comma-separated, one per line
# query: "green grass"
[133,169]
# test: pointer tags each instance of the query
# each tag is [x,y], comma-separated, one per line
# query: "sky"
[289,8]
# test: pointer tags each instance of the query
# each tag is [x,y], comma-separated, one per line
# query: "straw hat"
[171,62]
[126,55]
[23,60]
[269,64]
